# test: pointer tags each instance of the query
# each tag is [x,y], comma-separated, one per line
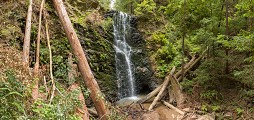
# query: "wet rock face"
[139,58]
[97,44]
[110,14]
[143,71]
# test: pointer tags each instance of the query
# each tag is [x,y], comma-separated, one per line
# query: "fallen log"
[191,66]
[173,107]
[164,86]
[150,95]
[186,66]
[155,91]
[177,76]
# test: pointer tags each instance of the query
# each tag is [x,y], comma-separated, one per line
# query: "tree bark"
[83,65]
[37,62]
[26,45]
[35,90]
[177,91]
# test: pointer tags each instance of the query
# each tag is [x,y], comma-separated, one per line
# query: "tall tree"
[83,65]
[35,91]
[184,32]
[227,34]
[26,45]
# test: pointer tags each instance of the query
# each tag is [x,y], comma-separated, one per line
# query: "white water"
[112,4]
[126,83]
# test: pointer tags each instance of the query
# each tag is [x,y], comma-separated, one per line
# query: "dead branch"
[164,86]
[193,64]
[178,74]
[50,60]
[173,107]
[45,85]
[150,95]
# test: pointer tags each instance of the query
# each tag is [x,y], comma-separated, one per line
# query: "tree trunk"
[227,34]
[178,74]
[35,90]
[37,62]
[26,45]
[83,65]
[192,65]
[184,33]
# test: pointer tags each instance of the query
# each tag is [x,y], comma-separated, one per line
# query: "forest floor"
[233,101]
[230,105]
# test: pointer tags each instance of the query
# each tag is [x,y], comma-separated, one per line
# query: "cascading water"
[124,70]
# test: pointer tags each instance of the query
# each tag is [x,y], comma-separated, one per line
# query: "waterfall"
[124,70]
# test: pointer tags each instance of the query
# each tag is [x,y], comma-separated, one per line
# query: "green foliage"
[57,111]
[245,8]
[11,97]
[210,95]
[204,108]
[247,95]
[210,73]
[146,10]
[239,111]
[163,52]
[62,107]
[126,5]
[104,3]
[216,108]
[187,86]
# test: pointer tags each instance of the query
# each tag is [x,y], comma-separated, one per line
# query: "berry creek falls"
[133,70]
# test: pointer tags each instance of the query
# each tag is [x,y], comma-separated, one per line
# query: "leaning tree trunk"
[26,45]
[83,65]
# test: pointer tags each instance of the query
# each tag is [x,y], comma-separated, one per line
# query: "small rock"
[228,114]
[206,117]
[186,109]
[194,117]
